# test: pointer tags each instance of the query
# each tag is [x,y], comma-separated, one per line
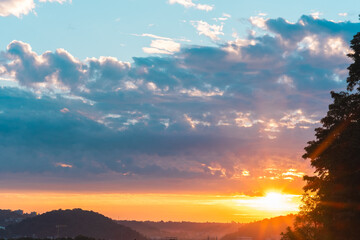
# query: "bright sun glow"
[272,204]
[277,202]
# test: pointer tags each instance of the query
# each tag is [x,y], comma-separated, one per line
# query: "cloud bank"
[221,113]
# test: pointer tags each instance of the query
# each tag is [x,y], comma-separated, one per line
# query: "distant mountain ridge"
[71,223]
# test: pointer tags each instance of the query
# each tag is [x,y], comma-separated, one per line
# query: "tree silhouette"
[331,203]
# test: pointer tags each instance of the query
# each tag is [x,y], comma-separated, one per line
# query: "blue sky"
[127,94]
[93,29]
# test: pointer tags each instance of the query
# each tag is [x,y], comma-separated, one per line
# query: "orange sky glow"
[157,207]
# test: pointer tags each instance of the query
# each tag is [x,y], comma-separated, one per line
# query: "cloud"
[224,17]
[162,47]
[316,15]
[211,31]
[54,71]
[65,110]
[297,117]
[190,4]
[198,93]
[220,114]
[243,120]
[258,21]
[152,36]
[20,7]
[286,80]
[307,25]
[63,165]
[16,7]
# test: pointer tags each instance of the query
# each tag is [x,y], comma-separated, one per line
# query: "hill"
[71,223]
[267,229]
[182,230]
[144,228]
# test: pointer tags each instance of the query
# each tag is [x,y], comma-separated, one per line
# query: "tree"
[331,203]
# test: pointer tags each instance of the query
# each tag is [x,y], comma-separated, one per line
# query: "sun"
[274,201]
[277,202]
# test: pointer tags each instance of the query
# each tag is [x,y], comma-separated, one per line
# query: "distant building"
[20,212]
[33,214]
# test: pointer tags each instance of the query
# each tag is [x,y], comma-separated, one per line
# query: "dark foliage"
[354,68]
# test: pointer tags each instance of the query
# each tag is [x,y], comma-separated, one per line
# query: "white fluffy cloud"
[21,7]
[16,7]
[258,21]
[162,47]
[190,4]
[211,31]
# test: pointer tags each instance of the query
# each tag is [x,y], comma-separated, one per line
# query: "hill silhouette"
[71,223]
[267,229]
[182,230]
[144,228]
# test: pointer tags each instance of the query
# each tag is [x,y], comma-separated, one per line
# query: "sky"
[165,109]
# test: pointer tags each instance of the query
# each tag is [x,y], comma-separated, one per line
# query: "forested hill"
[182,230]
[71,223]
[267,229]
